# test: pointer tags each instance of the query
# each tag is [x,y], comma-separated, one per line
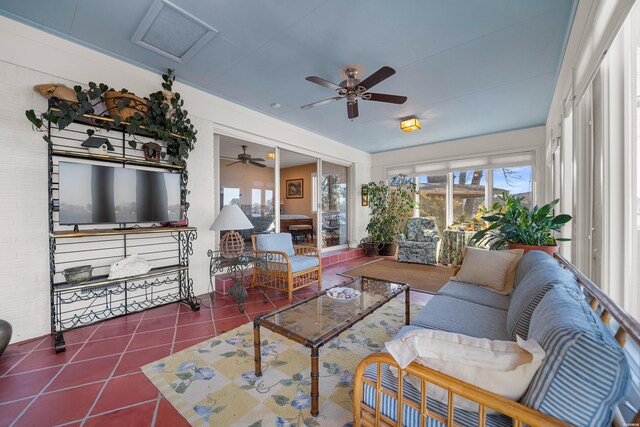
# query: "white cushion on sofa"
[502,367]
[494,270]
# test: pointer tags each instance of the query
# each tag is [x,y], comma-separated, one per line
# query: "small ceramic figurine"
[130,266]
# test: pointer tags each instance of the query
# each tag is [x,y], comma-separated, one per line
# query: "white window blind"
[481,162]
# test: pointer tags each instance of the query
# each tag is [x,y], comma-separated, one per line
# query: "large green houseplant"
[390,204]
[165,119]
[513,225]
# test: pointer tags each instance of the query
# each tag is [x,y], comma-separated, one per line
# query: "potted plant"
[390,206]
[514,226]
[160,115]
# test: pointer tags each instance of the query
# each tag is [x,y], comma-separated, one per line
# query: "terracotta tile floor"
[97,380]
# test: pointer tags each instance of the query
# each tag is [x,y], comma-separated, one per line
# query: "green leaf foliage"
[512,222]
[391,205]
[166,120]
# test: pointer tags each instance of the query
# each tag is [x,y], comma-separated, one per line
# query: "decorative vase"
[547,249]
[5,335]
[370,248]
[135,104]
[151,151]
[388,249]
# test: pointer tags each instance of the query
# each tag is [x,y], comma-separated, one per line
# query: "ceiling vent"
[171,32]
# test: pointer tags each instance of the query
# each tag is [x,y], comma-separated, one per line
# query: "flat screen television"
[93,194]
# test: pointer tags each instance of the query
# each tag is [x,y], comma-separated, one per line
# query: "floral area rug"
[213,383]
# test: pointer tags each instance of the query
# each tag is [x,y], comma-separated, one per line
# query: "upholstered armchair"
[419,244]
[288,267]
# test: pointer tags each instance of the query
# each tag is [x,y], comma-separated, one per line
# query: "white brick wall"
[24,253]
[29,57]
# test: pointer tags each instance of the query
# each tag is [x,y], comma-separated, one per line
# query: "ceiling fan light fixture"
[410,125]
[271,155]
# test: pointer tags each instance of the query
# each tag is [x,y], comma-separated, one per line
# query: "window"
[516,181]
[469,192]
[256,202]
[231,196]
[433,198]
[314,192]
[456,197]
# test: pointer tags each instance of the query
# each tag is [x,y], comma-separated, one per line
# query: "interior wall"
[28,57]
[531,139]
[298,206]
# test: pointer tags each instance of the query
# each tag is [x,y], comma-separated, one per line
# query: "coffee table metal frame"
[315,345]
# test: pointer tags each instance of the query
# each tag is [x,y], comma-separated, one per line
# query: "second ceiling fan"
[352,88]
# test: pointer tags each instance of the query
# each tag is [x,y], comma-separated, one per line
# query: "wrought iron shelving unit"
[166,248]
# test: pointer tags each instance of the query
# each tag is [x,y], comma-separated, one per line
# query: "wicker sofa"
[584,380]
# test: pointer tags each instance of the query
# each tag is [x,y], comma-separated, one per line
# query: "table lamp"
[231,218]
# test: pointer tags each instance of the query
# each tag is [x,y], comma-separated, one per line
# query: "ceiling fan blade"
[324,101]
[352,109]
[258,159]
[375,78]
[323,82]
[257,164]
[383,97]
[229,164]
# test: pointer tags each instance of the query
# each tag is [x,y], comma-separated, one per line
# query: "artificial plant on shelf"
[170,122]
[165,119]
[390,204]
[513,225]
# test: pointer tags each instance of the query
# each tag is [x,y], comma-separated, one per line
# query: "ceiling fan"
[247,159]
[352,88]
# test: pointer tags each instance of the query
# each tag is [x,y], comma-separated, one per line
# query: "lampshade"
[410,125]
[231,217]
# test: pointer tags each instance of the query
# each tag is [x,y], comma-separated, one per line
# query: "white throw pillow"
[502,367]
[494,270]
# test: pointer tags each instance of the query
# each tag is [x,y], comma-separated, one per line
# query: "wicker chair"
[289,267]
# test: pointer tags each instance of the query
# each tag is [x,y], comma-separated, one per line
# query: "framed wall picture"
[294,188]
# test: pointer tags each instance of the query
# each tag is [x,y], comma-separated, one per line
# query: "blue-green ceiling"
[468,67]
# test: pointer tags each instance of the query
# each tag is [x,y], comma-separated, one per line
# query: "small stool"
[301,230]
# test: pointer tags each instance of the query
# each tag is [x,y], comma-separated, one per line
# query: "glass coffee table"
[315,321]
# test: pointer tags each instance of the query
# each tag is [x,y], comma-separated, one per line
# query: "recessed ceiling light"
[410,125]
[275,105]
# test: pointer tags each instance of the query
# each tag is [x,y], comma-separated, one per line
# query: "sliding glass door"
[334,190]
[249,185]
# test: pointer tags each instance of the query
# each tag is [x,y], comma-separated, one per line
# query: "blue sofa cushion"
[534,283]
[280,242]
[300,262]
[454,315]
[530,262]
[475,294]
[585,373]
